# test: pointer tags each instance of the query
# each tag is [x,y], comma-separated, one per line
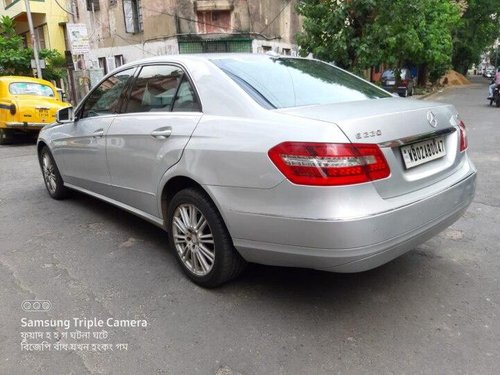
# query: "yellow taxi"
[26,105]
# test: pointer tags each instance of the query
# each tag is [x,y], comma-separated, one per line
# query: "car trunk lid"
[36,109]
[393,124]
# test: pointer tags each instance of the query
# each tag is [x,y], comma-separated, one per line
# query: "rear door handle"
[98,133]
[162,133]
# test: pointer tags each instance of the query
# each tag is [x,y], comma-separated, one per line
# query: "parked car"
[26,105]
[254,158]
[406,86]
[489,72]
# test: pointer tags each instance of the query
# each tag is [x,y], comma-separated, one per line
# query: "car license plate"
[423,152]
[43,113]
[391,82]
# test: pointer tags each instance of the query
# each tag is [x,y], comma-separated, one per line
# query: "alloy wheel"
[193,239]
[49,173]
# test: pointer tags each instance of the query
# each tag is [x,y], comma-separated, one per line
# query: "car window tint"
[292,82]
[105,99]
[154,89]
[186,101]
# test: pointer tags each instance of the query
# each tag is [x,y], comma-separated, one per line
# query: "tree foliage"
[336,31]
[14,58]
[477,30]
[358,34]
[55,64]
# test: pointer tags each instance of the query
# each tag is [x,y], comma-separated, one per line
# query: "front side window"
[161,88]
[29,88]
[105,99]
[289,82]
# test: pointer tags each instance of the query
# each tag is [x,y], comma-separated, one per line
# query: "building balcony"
[15,8]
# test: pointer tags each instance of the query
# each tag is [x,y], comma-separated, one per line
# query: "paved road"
[434,310]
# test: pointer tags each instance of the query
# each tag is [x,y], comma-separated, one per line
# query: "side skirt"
[143,215]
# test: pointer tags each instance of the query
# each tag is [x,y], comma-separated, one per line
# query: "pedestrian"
[494,84]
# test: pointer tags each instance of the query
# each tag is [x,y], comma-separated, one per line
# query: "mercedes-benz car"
[268,159]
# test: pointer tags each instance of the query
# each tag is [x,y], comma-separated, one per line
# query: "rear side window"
[161,88]
[292,82]
[30,88]
[185,100]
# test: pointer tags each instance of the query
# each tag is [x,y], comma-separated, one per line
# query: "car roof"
[10,79]
[205,57]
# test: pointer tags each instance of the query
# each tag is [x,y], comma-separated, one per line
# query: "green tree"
[477,30]
[358,34]
[336,31]
[55,64]
[417,33]
[14,58]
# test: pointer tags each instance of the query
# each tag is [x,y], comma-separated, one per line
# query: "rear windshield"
[288,82]
[390,73]
[30,88]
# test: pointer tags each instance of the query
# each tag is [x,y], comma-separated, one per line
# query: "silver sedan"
[266,159]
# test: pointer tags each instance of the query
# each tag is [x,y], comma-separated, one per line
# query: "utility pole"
[34,41]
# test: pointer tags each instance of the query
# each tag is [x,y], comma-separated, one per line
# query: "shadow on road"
[292,284]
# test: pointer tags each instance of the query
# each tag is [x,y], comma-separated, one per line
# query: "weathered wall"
[273,23]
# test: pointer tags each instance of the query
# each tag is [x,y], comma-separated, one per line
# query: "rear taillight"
[463,136]
[405,82]
[329,164]
[12,109]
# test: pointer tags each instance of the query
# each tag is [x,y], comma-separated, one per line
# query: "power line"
[64,9]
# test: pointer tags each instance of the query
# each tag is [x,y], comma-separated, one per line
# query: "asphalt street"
[435,310]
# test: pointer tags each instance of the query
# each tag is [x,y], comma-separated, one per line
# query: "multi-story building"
[125,30]
[49,19]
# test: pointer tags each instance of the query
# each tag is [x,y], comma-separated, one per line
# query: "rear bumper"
[349,245]
[399,90]
[25,125]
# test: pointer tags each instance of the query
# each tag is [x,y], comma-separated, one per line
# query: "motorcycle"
[496,96]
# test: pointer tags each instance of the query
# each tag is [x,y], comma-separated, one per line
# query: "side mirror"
[65,115]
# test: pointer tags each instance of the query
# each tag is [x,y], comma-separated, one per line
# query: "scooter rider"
[494,84]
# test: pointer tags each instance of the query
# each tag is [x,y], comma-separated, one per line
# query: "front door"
[83,147]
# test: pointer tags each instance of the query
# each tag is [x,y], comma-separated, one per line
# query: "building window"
[267,49]
[286,51]
[214,21]
[40,37]
[119,61]
[132,13]
[103,65]
[92,5]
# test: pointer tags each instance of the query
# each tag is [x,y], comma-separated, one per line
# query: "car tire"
[51,176]
[200,239]
[5,136]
